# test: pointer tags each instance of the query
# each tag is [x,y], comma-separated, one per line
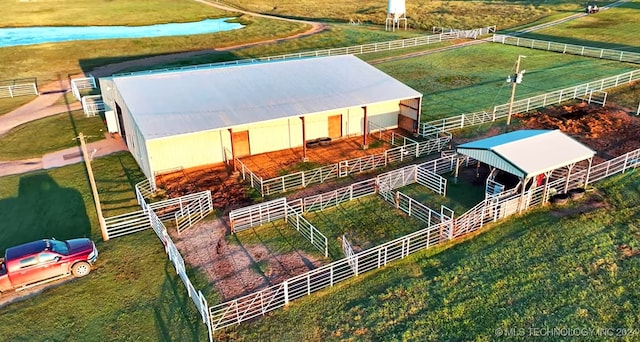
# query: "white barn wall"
[135,141]
[185,151]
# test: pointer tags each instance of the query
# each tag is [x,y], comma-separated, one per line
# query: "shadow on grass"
[180,305]
[42,209]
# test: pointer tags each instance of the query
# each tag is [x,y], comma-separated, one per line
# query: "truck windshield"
[59,247]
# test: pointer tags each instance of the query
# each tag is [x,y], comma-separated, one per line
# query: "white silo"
[395,14]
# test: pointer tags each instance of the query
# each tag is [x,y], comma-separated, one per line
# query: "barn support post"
[304,141]
[365,127]
[233,151]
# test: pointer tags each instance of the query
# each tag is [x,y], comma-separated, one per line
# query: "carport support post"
[586,180]
[546,186]
[94,189]
[304,141]
[566,183]
[365,126]
[523,191]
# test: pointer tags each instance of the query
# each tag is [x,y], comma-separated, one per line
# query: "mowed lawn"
[460,196]
[133,292]
[550,268]
[472,79]
[366,222]
[50,134]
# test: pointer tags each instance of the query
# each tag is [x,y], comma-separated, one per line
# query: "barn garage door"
[241,144]
[335,126]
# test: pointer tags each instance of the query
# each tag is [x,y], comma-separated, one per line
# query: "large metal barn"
[194,117]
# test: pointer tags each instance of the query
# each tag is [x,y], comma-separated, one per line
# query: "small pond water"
[53,34]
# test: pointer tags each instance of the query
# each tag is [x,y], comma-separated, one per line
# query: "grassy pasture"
[460,196]
[91,12]
[616,28]
[366,222]
[473,78]
[628,97]
[49,134]
[546,269]
[423,14]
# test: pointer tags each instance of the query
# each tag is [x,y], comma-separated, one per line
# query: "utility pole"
[515,80]
[94,189]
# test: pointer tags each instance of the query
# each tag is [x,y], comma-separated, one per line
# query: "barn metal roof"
[187,101]
[527,153]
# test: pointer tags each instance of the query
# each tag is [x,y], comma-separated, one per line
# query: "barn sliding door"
[241,144]
[335,126]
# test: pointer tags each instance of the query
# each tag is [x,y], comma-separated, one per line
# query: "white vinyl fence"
[615,55]
[18,87]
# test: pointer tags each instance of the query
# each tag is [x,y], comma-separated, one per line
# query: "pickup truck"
[45,260]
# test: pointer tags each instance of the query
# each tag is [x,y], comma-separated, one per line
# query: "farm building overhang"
[527,153]
[188,101]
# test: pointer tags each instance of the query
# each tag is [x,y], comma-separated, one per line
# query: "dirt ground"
[235,269]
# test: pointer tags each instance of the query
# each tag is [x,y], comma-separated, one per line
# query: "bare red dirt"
[610,130]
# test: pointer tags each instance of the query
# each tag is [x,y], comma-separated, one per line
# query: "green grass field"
[473,78]
[541,270]
[547,268]
[49,134]
[460,196]
[278,236]
[367,222]
[616,28]
[10,103]
[134,291]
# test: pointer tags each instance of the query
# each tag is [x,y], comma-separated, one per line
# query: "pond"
[53,34]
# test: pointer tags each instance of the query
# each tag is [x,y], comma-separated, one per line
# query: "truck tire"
[80,269]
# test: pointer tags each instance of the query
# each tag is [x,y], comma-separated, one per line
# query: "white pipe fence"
[400,154]
[473,33]
[615,55]
[178,262]
[92,105]
[350,50]
[490,210]
[582,91]
[306,229]
[82,83]
[260,303]
[192,212]
[14,90]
